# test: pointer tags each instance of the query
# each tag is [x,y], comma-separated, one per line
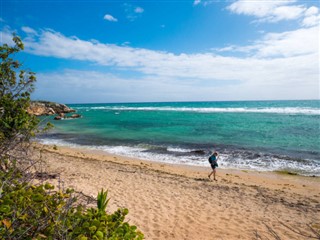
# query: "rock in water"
[75,116]
[57,118]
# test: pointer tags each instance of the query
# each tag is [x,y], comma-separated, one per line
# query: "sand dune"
[180,202]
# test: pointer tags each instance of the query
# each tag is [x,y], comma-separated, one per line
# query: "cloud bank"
[278,66]
[275,11]
[272,48]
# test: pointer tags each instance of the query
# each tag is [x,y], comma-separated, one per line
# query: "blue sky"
[133,51]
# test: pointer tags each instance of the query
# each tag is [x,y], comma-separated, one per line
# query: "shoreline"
[248,160]
[86,149]
[162,197]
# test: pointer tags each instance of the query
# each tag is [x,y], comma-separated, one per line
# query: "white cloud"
[255,8]
[275,11]
[287,13]
[105,87]
[6,36]
[29,30]
[279,62]
[312,17]
[138,10]
[311,21]
[312,11]
[203,2]
[196,2]
[278,66]
[126,43]
[261,83]
[110,18]
[132,12]
[299,42]
[287,44]
[272,11]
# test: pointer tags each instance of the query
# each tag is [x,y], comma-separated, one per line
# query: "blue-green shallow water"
[258,135]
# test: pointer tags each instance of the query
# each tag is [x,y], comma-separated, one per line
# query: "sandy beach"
[180,202]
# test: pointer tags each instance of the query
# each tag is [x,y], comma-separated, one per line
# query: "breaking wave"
[275,110]
[231,159]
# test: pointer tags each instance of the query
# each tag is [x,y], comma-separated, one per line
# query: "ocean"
[249,135]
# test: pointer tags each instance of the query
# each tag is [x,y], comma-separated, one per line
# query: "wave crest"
[285,110]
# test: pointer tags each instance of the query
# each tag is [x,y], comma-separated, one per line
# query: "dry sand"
[180,202]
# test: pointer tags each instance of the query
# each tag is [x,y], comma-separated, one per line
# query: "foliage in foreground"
[29,211]
[16,85]
[38,212]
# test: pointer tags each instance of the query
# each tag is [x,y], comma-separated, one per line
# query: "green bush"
[16,85]
[38,212]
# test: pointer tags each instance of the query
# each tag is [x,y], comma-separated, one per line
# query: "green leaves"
[5,209]
[102,200]
[37,211]
[30,209]
[18,42]
[16,86]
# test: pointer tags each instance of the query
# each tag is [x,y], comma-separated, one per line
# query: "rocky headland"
[46,108]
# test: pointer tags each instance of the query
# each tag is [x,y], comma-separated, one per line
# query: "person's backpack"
[212,159]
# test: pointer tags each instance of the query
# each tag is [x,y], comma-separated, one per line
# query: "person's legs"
[214,174]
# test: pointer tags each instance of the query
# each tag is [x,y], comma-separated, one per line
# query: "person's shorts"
[214,165]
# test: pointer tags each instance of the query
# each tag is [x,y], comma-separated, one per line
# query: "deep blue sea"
[249,135]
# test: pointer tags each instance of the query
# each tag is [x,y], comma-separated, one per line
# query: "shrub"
[39,212]
[16,85]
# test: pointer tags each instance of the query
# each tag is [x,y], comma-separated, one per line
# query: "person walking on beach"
[213,162]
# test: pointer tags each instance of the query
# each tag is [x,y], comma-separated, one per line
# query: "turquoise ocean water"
[252,135]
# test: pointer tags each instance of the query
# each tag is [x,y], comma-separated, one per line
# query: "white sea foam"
[285,110]
[180,150]
[226,161]
[270,163]
[58,142]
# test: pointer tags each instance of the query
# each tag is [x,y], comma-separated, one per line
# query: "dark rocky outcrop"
[41,108]
[58,118]
[75,116]
[63,116]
